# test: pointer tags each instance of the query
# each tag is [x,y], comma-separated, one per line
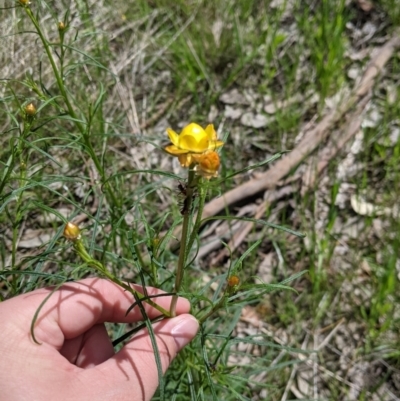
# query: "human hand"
[75,359]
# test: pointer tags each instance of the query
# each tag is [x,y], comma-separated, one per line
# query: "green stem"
[59,79]
[22,155]
[183,250]
[216,307]
[81,251]
[71,110]
[196,227]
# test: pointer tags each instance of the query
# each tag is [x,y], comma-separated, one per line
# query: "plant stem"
[183,250]
[71,111]
[81,251]
[196,227]
[215,307]
[20,153]
[59,79]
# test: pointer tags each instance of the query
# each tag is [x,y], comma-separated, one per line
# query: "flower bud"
[72,232]
[233,284]
[233,281]
[30,110]
[61,26]
[155,243]
[208,164]
[24,3]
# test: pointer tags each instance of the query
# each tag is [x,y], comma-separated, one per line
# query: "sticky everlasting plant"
[197,151]
[59,129]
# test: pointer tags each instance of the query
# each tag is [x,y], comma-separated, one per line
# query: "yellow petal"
[174,150]
[185,160]
[211,133]
[193,129]
[193,144]
[193,138]
[173,136]
[212,145]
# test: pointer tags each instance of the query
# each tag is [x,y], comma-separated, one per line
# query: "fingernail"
[184,330]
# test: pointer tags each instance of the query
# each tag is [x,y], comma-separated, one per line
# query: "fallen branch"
[311,139]
[353,125]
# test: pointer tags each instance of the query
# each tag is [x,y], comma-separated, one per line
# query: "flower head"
[61,26]
[72,232]
[30,110]
[208,164]
[233,284]
[192,140]
[233,281]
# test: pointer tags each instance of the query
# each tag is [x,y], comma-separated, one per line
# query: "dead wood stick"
[354,124]
[312,138]
[246,226]
[240,235]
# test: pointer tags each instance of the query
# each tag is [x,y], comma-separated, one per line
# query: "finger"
[77,306]
[89,349]
[132,372]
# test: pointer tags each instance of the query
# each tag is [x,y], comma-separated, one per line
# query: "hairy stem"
[183,250]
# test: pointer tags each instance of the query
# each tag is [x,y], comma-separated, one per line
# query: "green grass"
[131,70]
[323,29]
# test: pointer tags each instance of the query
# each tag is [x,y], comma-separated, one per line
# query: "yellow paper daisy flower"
[192,140]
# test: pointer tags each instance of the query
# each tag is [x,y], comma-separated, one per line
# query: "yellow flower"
[192,140]
[208,164]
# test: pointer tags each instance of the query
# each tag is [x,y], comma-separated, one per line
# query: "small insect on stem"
[182,188]
[183,202]
[183,197]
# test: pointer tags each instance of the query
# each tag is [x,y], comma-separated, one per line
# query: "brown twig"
[311,139]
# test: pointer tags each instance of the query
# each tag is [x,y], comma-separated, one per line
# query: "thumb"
[133,370]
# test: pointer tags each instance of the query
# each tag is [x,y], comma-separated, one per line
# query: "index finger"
[77,306]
